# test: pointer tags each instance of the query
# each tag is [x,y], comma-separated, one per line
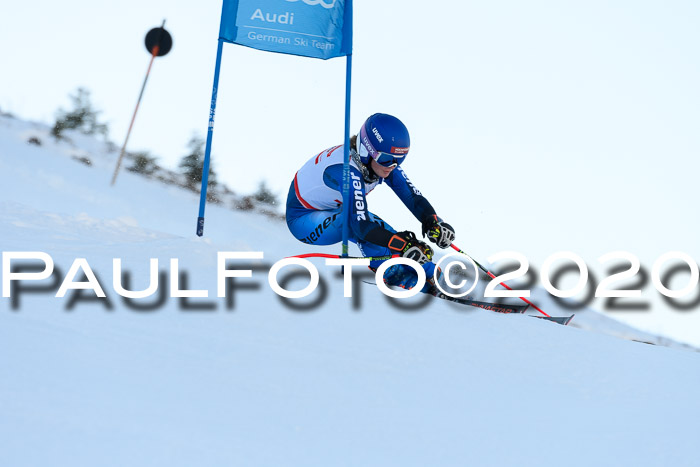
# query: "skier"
[314,204]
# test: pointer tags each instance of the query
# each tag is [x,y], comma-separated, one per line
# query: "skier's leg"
[317,227]
[370,249]
[311,226]
[326,228]
[399,275]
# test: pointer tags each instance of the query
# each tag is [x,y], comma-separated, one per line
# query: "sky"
[536,126]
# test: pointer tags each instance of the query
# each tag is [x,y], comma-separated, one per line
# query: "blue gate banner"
[310,28]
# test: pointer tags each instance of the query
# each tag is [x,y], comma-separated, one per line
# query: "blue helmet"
[385,139]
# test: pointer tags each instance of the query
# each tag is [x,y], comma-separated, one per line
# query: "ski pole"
[492,276]
[326,255]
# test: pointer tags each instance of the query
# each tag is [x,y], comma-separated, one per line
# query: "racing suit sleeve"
[360,223]
[409,195]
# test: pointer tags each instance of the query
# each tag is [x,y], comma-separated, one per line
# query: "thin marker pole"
[346,160]
[154,54]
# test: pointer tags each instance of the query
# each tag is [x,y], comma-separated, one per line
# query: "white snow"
[95,383]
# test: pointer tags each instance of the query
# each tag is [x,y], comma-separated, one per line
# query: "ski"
[563,320]
[490,306]
[497,307]
[501,308]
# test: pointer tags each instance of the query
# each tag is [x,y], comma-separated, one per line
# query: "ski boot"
[400,275]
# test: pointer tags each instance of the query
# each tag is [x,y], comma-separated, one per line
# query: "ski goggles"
[388,160]
[385,159]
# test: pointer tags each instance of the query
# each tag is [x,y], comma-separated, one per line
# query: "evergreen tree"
[143,164]
[192,164]
[83,117]
[264,195]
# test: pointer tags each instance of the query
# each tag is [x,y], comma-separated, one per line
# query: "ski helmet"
[385,139]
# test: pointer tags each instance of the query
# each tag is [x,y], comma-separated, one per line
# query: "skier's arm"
[360,224]
[439,232]
[403,243]
[409,195]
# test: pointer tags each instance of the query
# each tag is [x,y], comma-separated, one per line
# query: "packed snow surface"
[251,381]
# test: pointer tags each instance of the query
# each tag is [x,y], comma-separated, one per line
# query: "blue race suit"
[314,207]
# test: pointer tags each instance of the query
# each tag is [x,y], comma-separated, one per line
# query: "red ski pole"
[492,276]
[326,255]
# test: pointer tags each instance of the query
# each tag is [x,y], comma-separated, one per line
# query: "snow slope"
[87,382]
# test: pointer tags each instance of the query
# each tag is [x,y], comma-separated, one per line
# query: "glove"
[439,232]
[408,246]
